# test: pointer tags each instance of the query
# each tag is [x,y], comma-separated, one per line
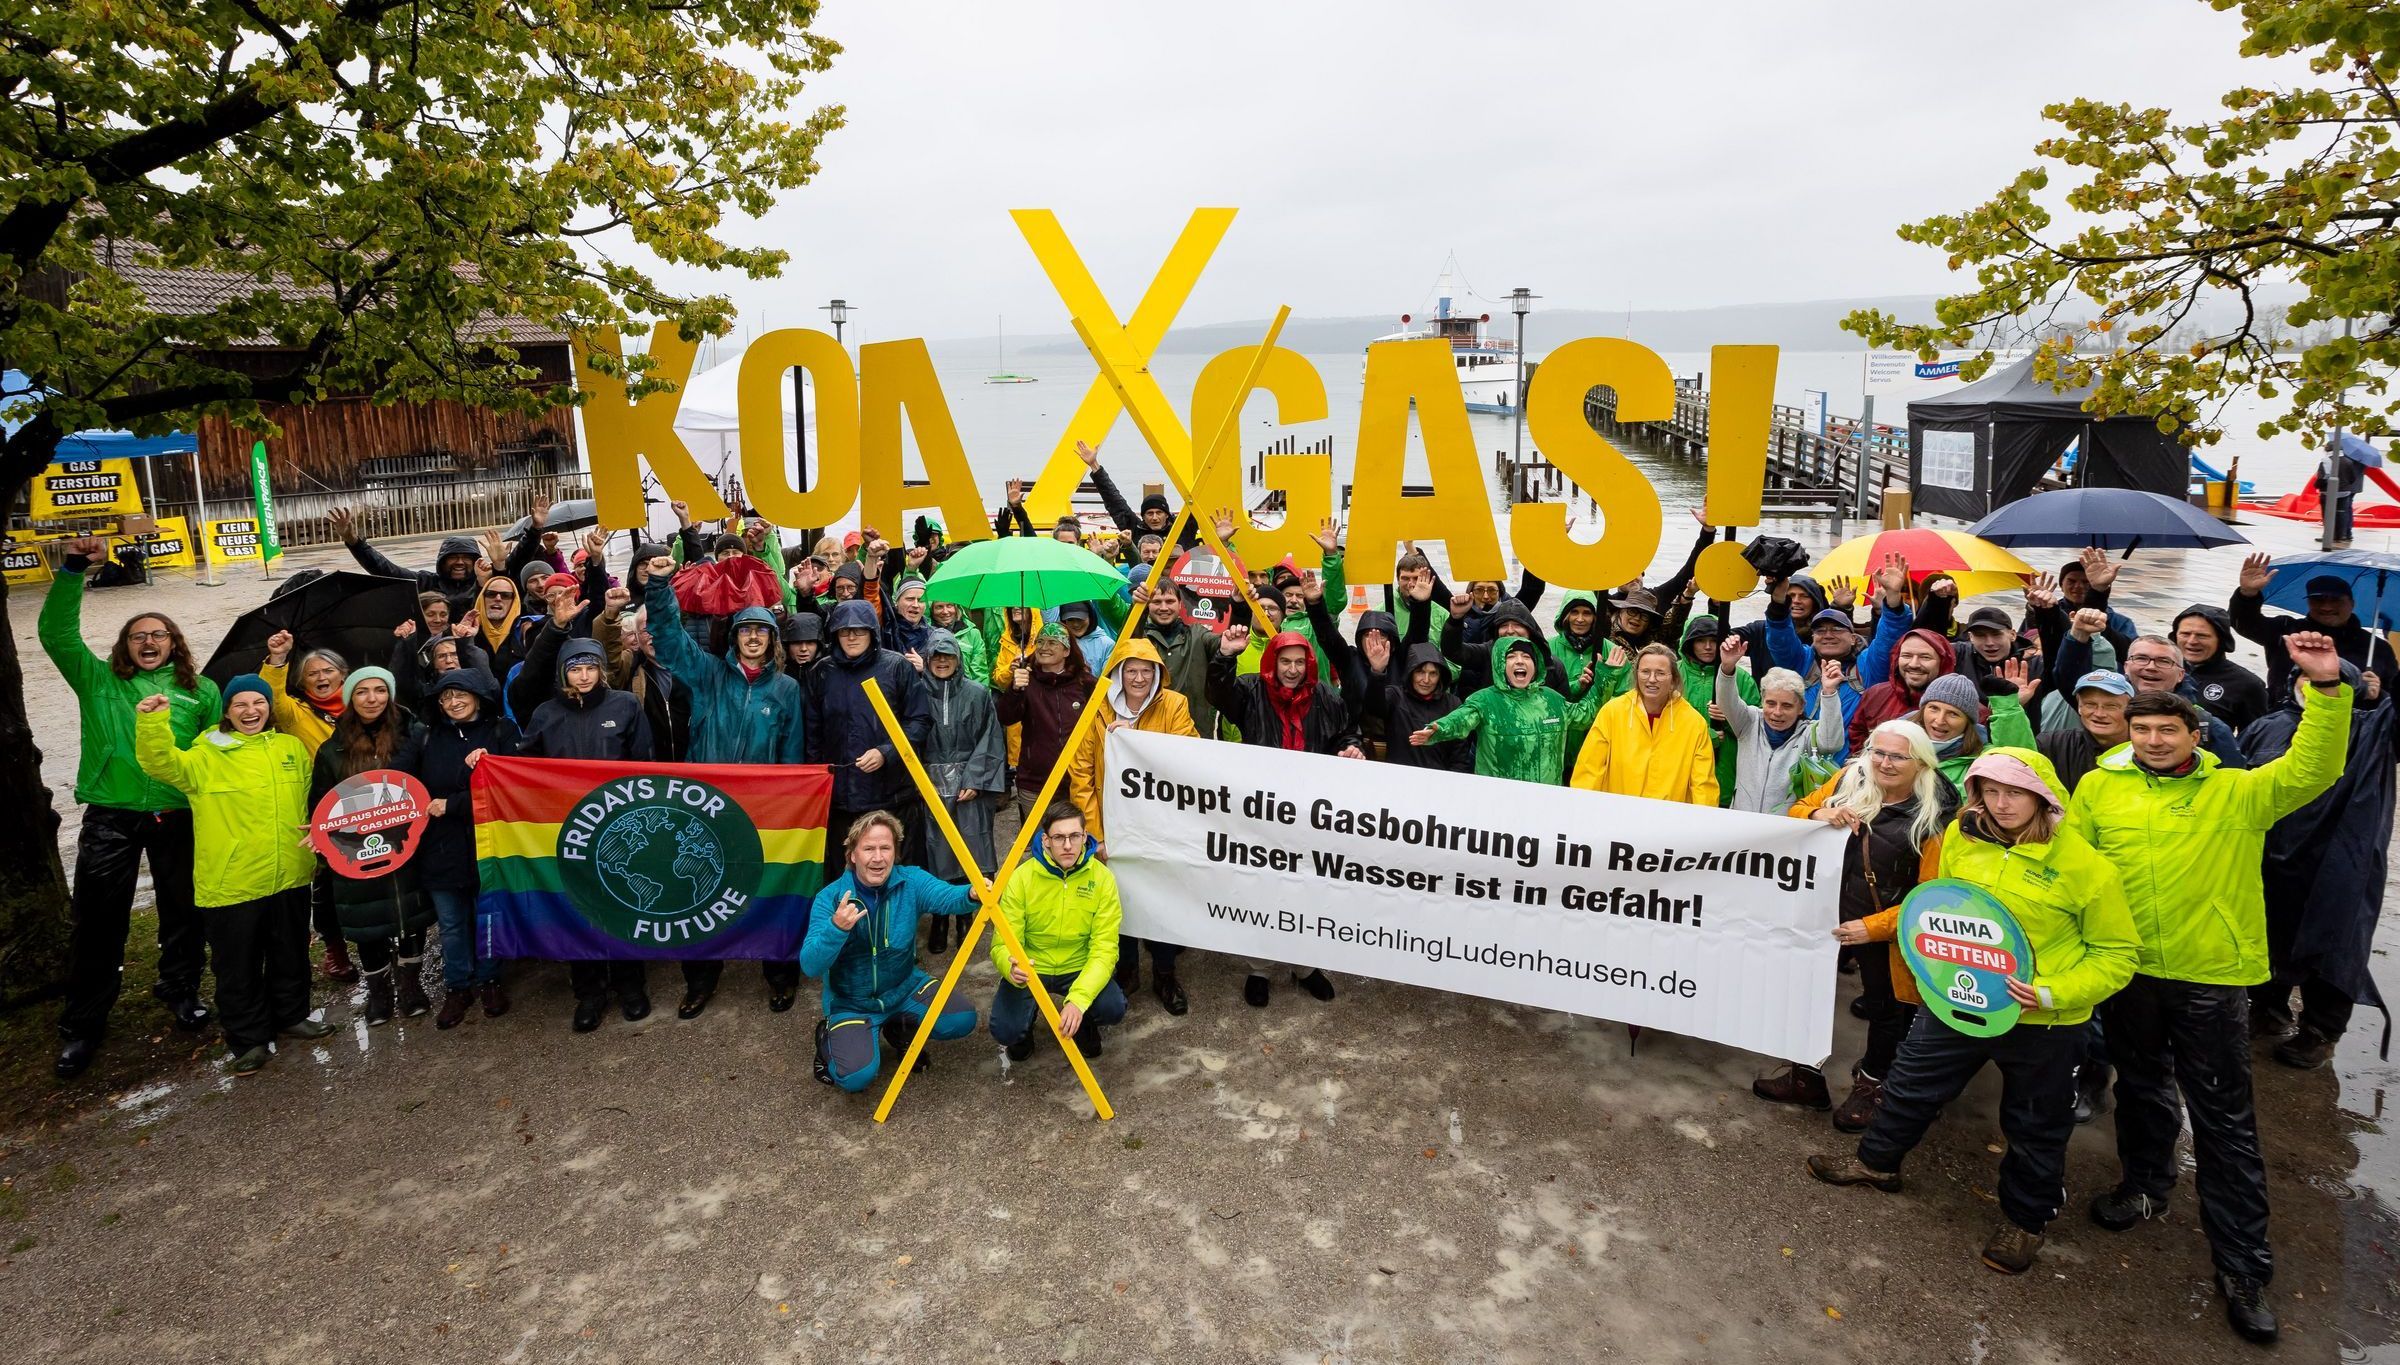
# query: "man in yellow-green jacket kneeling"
[1063,905]
[2187,838]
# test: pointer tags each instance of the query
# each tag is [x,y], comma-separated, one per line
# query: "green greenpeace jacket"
[2189,847]
[1700,689]
[108,774]
[2067,900]
[1067,921]
[1521,733]
[249,796]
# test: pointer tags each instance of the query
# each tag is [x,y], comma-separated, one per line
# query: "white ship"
[1487,365]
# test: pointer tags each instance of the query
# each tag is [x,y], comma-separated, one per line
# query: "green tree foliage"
[416,166]
[2293,187]
[378,180]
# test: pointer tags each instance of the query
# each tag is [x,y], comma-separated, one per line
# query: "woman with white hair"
[1892,801]
[1771,738]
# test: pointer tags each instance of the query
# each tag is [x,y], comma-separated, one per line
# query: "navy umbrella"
[2110,518]
[2374,581]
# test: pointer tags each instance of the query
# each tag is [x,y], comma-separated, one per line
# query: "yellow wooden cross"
[1156,432]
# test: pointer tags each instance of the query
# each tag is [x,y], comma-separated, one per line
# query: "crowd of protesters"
[2185,844]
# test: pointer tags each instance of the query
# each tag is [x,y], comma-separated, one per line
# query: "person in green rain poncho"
[1522,728]
[1701,639]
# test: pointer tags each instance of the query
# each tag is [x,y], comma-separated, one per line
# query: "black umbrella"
[2110,518]
[572,515]
[350,613]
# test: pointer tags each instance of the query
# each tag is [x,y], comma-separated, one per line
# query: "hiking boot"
[337,965]
[2305,1050]
[307,1028]
[635,1008]
[1255,991]
[1022,1049]
[75,1057]
[694,1001]
[190,1015]
[780,997]
[2246,1308]
[1858,1007]
[588,1010]
[495,1000]
[1795,1084]
[409,988]
[1847,1169]
[2091,1092]
[1856,1112]
[1169,992]
[1315,984]
[454,1008]
[2121,1208]
[379,998]
[2010,1250]
[249,1062]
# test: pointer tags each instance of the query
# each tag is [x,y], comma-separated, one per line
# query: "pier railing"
[1840,471]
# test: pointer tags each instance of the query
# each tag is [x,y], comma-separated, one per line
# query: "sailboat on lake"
[1000,357]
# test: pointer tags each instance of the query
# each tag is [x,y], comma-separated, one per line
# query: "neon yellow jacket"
[2065,897]
[1067,921]
[249,796]
[1669,759]
[2189,848]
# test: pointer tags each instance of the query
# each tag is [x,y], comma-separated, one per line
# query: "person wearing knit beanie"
[249,682]
[368,674]
[1954,690]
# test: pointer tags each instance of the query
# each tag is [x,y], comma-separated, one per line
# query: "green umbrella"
[1023,571]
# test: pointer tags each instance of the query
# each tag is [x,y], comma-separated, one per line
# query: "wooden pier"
[1840,472]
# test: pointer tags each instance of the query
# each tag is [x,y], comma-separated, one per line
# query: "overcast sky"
[1603,155]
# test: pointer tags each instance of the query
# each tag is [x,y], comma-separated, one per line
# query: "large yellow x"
[1093,707]
[1137,339]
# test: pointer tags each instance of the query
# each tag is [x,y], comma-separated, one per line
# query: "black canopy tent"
[1985,444]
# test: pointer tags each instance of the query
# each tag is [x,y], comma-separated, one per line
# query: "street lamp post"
[840,309]
[1520,302]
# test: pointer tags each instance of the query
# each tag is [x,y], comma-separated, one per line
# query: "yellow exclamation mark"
[1741,413]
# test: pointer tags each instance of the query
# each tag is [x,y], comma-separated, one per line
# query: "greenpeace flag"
[583,859]
[1711,923]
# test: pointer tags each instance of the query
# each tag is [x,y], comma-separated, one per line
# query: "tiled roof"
[189,293]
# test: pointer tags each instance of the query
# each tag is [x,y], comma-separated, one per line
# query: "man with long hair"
[127,814]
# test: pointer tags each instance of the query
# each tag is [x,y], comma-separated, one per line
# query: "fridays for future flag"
[583,859]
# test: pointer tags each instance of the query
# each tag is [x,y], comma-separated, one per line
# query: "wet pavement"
[1398,1175]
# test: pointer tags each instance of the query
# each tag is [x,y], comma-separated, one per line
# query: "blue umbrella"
[2358,450]
[2110,518]
[2374,581]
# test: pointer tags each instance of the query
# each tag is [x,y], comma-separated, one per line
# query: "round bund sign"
[1962,946]
[368,824]
[1208,588]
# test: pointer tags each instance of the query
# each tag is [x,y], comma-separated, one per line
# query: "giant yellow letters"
[1306,480]
[897,376]
[1628,505]
[621,434]
[832,456]
[1459,512]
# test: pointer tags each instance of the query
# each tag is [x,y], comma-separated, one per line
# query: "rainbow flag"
[582,859]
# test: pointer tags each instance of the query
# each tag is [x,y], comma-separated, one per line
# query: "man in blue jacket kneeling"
[862,938]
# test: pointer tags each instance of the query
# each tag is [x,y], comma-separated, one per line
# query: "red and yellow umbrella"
[1975,564]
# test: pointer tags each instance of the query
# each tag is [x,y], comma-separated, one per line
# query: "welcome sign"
[609,860]
[862,403]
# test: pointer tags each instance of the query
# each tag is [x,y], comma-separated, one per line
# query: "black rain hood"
[2219,620]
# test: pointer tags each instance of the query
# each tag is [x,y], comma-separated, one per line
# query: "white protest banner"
[1710,923]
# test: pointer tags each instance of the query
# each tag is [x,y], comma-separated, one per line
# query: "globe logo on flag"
[661,861]
[636,846]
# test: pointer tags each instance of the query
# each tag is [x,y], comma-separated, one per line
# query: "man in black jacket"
[453,572]
[844,733]
[2331,612]
[590,719]
[2225,689]
[1282,706]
